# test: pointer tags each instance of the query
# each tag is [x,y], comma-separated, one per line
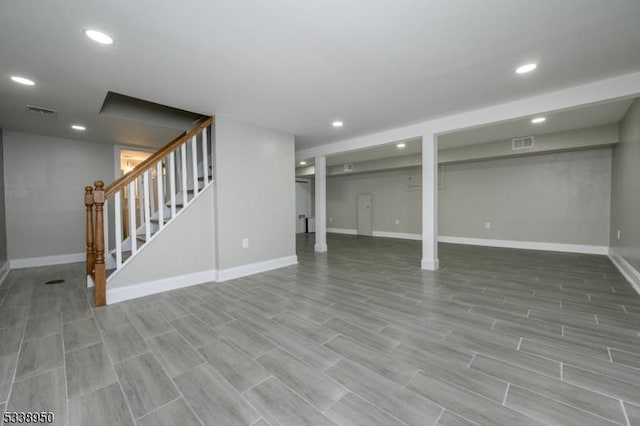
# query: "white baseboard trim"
[31,262]
[384,234]
[527,245]
[401,235]
[320,248]
[4,271]
[120,294]
[255,268]
[430,265]
[626,269]
[342,231]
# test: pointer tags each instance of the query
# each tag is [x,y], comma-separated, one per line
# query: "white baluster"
[152,194]
[139,198]
[106,227]
[132,217]
[118,229]
[205,160]
[159,180]
[194,163]
[183,158]
[172,182]
[147,209]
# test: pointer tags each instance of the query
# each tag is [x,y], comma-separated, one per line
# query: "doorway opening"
[304,222]
[127,160]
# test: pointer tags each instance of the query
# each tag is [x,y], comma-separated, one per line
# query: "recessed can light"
[22,80]
[538,120]
[337,124]
[523,69]
[302,163]
[98,36]
[401,145]
[78,127]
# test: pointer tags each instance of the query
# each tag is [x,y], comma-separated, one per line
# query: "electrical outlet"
[618,234]
[330,219]
[245,243]
[487,225]
[397,221]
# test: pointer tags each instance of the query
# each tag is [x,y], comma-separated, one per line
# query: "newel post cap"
[98,194]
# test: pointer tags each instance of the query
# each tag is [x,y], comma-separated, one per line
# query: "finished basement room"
[353,213]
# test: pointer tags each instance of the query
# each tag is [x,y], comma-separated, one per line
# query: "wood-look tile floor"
[359,335]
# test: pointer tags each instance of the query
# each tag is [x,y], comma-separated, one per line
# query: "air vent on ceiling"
[524,142]
[46,112]
[348,167]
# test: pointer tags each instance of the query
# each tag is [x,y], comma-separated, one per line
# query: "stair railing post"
[88,202]
[100,275]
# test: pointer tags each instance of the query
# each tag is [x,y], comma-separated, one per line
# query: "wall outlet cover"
[487,225]
[245,243]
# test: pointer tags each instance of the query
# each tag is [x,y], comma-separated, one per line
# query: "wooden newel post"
[100,275]
[88,202]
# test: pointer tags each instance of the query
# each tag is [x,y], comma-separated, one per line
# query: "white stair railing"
[143,204]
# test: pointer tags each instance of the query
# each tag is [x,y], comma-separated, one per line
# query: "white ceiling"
[298,65]
[560,121]
[413,146]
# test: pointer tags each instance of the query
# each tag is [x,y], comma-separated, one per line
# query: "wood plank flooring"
[356,336]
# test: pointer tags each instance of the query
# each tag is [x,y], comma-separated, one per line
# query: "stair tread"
[165,220]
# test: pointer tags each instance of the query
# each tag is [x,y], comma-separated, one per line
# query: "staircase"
[143,202]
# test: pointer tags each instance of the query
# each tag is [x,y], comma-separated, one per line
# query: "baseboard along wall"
[61,259]
[120,294]
[626,269]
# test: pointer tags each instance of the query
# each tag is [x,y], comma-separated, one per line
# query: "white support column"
[321,204]
[430,202]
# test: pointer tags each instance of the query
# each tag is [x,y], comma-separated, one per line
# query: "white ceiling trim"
[624,86]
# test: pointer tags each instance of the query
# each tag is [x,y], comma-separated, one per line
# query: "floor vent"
[524,142]
[41,111]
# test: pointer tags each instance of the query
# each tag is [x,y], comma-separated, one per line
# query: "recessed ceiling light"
[98,36]
[23,80]
[302,163]
[337,124]
[523,69]
[538,120]
[401,145]
[78,127]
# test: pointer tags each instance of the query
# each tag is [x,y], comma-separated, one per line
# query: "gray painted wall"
[561,198]
[555,198]
[625,194]
[44,186]
[391,200]
[185,247]
[3,224]
[255,193]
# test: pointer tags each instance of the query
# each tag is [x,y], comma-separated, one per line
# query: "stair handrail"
[121,182]
[95,201]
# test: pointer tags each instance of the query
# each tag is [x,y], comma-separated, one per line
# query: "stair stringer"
[182,253]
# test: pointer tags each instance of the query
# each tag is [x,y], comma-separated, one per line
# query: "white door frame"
[116,155]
